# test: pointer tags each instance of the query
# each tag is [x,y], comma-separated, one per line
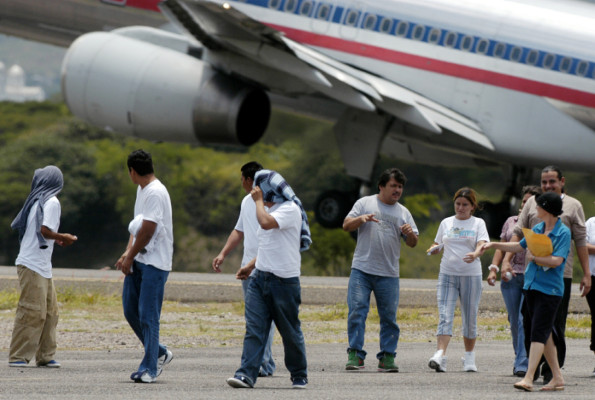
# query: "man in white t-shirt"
[147,268]
[381,223]
[245,229]
[274,292]
[34,332]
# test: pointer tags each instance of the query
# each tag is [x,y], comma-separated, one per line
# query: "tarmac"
[201,372]
[220,287]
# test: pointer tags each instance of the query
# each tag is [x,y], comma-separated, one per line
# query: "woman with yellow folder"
[548,244]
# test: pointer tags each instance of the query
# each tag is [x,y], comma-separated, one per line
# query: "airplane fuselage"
[525,74]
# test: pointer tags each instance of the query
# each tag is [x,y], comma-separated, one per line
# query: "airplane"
[469,83]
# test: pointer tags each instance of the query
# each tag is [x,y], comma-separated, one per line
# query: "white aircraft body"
[440,82]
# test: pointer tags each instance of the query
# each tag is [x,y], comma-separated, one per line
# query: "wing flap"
[222,28]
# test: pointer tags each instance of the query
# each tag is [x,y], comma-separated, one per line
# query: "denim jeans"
[512,293]
[386,292]
[271,298]
[268,364]
[142,297]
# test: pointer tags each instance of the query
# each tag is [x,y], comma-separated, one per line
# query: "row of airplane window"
[353,17]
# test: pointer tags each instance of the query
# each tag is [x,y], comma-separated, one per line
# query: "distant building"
[13,86]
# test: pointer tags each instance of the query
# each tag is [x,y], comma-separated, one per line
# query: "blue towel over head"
[276,189]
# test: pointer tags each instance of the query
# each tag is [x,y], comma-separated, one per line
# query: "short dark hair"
[554,168]
[533,190]
[141,162]
[250,169]
[395,173]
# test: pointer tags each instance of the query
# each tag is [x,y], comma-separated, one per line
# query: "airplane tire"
[331,208]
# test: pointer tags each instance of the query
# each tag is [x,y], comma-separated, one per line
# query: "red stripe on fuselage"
[537,88]
[144,4]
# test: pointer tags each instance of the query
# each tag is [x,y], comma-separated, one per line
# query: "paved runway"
[204,287]
[200,374]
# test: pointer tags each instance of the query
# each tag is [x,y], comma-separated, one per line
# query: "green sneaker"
[387,364]
[354,362]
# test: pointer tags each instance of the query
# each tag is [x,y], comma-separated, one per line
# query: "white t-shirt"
[378,246]
[30,255]
[248,224]
[154,204]
[591,240]
[279,248]
[459,238]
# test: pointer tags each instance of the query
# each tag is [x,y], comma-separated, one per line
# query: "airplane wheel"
[331,208]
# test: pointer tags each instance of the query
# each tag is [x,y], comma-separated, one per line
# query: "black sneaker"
[240,382]
[299,383]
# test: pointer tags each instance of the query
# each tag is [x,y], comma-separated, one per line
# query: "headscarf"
[47,182]
[275,189]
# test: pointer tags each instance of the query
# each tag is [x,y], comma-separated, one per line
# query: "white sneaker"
[438,361]
[163,361]
[146,378]
[469,362]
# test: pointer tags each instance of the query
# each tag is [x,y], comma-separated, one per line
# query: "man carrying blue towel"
[274,292]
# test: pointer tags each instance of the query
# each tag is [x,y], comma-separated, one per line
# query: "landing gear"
[332,207]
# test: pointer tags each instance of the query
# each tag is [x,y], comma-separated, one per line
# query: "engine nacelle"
[141,89]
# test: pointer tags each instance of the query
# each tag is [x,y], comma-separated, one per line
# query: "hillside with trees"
[204,184]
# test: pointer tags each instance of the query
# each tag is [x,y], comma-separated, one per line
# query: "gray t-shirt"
[379,243]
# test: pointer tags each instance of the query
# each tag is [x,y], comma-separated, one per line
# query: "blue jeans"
[268,364]
[512,293]
[271,298]
[142,296]
[386,292]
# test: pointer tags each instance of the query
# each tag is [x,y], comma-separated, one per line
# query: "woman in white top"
[460,237]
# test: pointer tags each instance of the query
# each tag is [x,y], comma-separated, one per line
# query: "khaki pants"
[35,323]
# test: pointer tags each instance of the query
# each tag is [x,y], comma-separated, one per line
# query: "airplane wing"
[246,48]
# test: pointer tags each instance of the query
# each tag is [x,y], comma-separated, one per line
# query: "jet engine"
[152,92]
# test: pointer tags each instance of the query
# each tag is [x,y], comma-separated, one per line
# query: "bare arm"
[583,256]
[235,237]
[62,239]
[410,236]
[143,237]
[470,257]
[351,224]
[265,220]
[245,271]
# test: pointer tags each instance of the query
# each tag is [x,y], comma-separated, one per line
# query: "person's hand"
[434,249]
[492,278]
[217,261]
[124,264]
[585,286]
[256,194]
[243,273]
[406,229]
[506,268]
[470,257]
[368,218]
[66,239]
[484,247]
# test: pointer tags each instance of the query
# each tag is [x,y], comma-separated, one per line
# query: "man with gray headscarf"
[34,332]
[274,292]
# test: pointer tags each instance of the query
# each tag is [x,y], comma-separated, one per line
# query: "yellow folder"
[539,244]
